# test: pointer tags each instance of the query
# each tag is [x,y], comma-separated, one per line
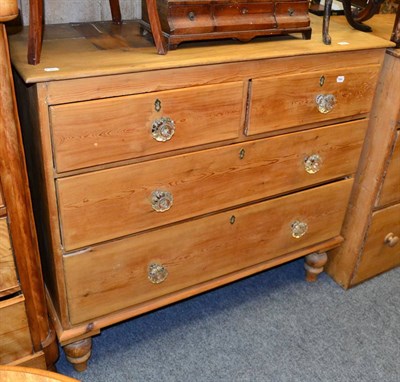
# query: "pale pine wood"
[207,249]
[343,262]
[65,52]
[8,10]
[28,374]
[1,198]
[15,338]
[101,131]
[292,97]
[8,275]
[377,256]
[200,182]
[149,81]
[390,192]
[36,360]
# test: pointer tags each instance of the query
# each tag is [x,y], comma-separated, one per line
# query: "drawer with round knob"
[390,192]
[115,129]
[287,101]
[147,266]
[381,251]
[111,203]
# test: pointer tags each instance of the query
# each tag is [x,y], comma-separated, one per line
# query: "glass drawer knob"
[157,273]
[299,229]
[163,129]
[312,164]
[161,200]
[391,239]
[325,102]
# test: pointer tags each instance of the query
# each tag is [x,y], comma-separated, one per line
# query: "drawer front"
[8,275]
[199,250]
[103,131]
[190,19]
[15,338]
[391,186]
[244,16]
[291,14]
[107,204]
[382,247]
[288,101]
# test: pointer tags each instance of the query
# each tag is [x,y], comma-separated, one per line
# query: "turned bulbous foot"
[78,353]
[314,265]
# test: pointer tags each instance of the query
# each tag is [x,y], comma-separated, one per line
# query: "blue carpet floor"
[273,326]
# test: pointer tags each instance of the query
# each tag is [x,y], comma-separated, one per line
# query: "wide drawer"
[116,275]
[15,338]
[103,131]
[291,100]
[382,247]
[8,275]
[111,203]
[390,192]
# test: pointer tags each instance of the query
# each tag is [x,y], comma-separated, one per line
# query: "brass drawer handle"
[157,273]
[312,164]
[325,102]
[163,129]
[391,240]
[191,16]
[161,200]
[299,229]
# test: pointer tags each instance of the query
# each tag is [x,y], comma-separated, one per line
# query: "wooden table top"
[102,48]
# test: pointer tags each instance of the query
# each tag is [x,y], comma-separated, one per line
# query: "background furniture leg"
[35,31]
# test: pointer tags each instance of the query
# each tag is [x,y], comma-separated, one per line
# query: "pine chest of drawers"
[157,178]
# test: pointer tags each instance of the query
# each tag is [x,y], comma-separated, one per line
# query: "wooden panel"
[377,256]
[8,275]
[199,250]
[102,131]
[290,100]
[391,186]
[106,204]
[15,339]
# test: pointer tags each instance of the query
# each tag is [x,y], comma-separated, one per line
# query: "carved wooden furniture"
[194,20]
[158,178]
[25,334]
[372,225]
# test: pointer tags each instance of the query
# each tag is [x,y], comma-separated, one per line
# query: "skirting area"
[270,327]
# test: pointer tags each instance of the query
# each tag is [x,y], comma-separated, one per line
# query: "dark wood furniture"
[26,337]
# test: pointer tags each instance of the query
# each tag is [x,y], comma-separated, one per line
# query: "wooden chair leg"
[115,11]
[35,31]
[159,39]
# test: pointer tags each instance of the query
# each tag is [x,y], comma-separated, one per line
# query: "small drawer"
[190,19]
[390,192]
[244,16]
[150,265]
[291,14]
[382,247]
[103,131]
[15,338]
[8,274]
[293,100]
[111,203]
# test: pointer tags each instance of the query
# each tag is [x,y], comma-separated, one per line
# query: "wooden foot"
[78,353]
[314,265]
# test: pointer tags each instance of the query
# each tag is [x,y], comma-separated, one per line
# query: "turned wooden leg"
[78,353]
[35,31]
[314,265]
[115,11]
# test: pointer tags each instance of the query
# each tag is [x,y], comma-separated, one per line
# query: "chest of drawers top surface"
[85,50]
